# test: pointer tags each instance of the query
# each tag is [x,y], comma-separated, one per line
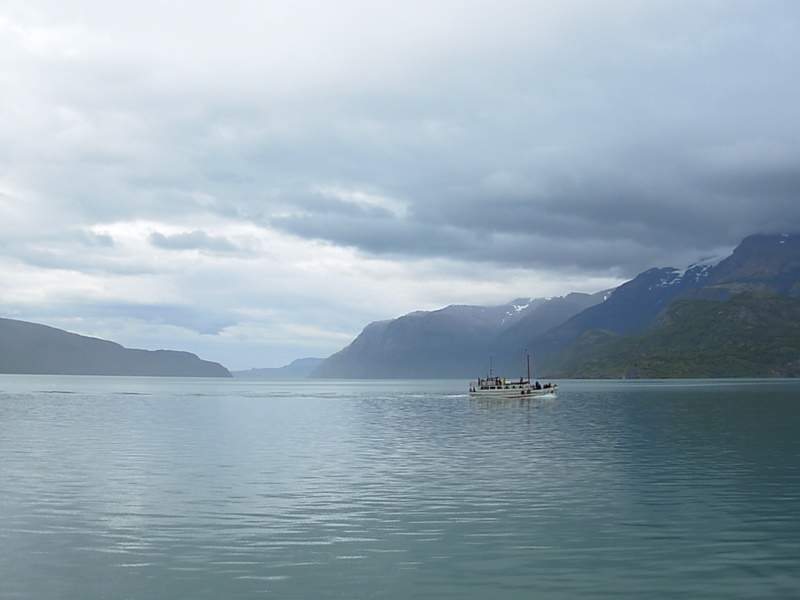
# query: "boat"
[499,387]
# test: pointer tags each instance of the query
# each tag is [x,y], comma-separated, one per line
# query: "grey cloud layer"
[647,126]
[673,139]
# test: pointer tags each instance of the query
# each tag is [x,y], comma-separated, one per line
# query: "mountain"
[769,263]
[455,341]
[627,308]
[761,263]
[30,348]
[753,334]
[297,369]
[458,341]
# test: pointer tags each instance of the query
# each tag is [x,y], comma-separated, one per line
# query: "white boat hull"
[510,390]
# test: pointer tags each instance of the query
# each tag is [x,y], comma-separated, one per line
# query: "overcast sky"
[255,181]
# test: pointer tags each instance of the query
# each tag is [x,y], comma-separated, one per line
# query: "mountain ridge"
[36,349]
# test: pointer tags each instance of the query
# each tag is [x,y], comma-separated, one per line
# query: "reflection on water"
[158,488]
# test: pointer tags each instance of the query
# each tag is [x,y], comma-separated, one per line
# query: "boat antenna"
[491,368]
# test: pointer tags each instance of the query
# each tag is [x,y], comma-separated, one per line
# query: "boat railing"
[498,383]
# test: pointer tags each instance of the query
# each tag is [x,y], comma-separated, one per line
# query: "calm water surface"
[155,488]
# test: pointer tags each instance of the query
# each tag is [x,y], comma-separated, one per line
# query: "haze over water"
[196,488]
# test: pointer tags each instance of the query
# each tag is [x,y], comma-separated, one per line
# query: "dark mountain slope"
[418,345]
[30,348]
[768,263]
[754,334]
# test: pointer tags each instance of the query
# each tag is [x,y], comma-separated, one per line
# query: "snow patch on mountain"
[518,308]
[689,276]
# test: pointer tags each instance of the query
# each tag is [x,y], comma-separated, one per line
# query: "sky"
[255,181]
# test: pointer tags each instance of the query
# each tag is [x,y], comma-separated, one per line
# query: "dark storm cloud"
[652,215]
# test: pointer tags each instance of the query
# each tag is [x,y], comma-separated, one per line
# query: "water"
[129,488]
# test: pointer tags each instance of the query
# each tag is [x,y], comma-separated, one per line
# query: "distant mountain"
[30,348]
[455,341]
[297,369]
[458,341]
[753,334]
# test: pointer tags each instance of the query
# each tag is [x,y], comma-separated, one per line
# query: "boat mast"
[528,359]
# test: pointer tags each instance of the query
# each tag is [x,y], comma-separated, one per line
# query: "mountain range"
[739,317]
[575,335]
